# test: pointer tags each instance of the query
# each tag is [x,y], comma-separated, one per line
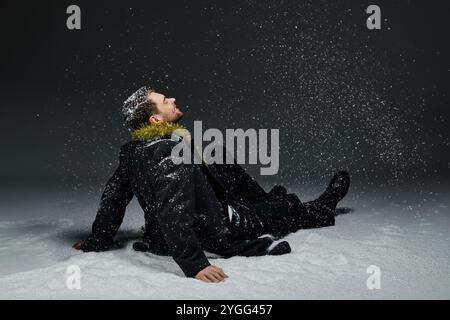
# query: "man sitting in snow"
[187,206]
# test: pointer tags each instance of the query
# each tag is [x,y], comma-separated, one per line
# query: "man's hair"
[138,108]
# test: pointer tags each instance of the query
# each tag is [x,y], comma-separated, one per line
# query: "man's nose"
[173,100]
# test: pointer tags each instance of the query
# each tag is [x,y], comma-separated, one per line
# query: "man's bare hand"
[77,245]
[211,274]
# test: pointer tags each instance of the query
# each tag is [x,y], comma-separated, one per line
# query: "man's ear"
[154,119]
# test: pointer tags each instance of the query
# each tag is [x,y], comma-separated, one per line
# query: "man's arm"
[115,198]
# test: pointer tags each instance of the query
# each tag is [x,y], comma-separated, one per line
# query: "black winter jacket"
[185,206]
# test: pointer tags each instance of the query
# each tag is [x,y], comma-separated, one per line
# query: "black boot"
[336,191]
[321,212]
[279,249]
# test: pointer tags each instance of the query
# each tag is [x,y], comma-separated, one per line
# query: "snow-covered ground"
[405,233]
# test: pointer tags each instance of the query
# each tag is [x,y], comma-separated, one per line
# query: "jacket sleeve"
[114,200]
[174,197]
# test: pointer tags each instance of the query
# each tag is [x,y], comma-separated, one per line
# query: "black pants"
[260,220]
[287,216]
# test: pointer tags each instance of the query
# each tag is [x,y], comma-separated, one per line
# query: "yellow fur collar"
[155,130]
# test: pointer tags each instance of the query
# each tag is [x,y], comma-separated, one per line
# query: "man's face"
[166,108]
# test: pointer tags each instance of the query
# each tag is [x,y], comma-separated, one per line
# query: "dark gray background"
[373,102]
